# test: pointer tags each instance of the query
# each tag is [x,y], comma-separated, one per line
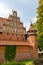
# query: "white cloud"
[4,10]
[34,20]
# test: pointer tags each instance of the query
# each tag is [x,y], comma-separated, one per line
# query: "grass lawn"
[28,62]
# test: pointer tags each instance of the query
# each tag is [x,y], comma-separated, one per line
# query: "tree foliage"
[10,52]
[39,24]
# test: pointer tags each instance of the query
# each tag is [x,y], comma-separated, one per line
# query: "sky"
[26,10]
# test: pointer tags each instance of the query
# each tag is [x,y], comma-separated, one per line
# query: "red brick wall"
[22,53]
[2,50]
[5,36]
[11,36]
[32,39]
[35,52]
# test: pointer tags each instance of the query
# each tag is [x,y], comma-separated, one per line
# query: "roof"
[2,21]
[31,27]
[15,43]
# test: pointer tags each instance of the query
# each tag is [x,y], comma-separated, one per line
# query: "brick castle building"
[12,32]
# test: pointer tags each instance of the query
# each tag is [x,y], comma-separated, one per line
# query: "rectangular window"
[14,30]
[14,23]
[7,22]
[11,22]
[18,30]
[24,32]
[8,29]
[11,29]
[15,19]
[21,25]
[4,28]
[21,30]
[18,25]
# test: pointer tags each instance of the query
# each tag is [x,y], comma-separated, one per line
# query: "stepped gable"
[12,28]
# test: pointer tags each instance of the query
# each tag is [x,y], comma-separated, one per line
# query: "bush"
[10,53]
[38,62]
[0,63]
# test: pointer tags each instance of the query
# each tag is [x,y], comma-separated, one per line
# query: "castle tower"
[32,34]
[32,41]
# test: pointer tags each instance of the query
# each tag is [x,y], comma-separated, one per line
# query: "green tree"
[39,24]
[10,52]
[40,16]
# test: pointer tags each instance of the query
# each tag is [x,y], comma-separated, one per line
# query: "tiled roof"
[2,21]
[31,27]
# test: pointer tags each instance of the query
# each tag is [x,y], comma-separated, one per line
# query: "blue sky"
[26,9]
